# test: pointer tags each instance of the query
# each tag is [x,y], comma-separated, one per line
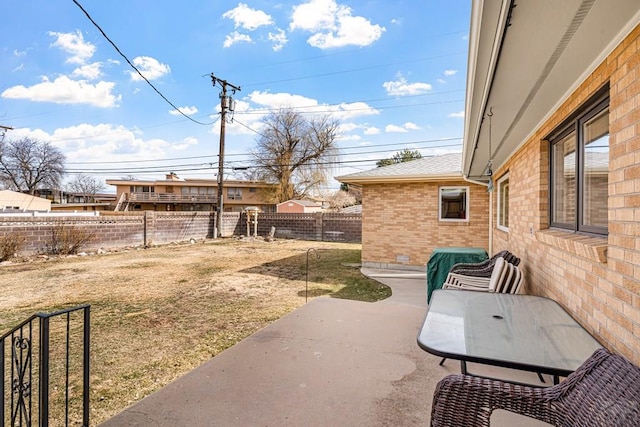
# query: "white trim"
[467,203]
[472,137]
[499,204]
[615,42]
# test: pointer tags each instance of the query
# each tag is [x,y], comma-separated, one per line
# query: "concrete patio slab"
[331,362]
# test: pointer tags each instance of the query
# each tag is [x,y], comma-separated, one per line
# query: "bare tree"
[295,153]
[86,185]
[27,165]
[353,190]
[340,199]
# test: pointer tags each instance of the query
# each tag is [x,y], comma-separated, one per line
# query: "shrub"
[10,244]
[66,239]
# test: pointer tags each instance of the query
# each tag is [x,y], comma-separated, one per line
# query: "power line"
[190,169]
[135,68]
[210,165]
[353,70]
[421,141]
[387,98]
[389,107]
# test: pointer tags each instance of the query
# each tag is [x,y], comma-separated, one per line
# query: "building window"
[234,193]
[454,204]
[503,203]
[579,169]
[141,189]
[252,189]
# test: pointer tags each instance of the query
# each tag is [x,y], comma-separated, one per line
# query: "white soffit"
[548,49]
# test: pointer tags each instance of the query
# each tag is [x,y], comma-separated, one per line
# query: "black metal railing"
[44,370]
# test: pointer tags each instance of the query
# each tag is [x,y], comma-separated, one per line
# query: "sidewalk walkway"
[331,362]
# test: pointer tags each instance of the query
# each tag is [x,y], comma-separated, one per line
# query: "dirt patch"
[158,313]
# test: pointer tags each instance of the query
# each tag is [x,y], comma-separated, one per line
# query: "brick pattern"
[401,227]
[318,226]
[598,282]
[110,231]
[114,230]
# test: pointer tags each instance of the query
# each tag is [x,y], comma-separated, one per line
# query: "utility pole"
[226,103]
[3,131]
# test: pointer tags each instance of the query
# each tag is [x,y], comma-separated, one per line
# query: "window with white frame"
[503,203]
[454,204]
[579,168]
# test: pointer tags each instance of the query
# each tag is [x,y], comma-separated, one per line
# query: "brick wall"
[318,226]
[596,279]
[113,230]
[110,231]
[400,225]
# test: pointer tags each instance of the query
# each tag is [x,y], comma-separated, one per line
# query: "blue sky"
[392,72]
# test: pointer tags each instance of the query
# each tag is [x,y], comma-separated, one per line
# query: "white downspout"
[484,184]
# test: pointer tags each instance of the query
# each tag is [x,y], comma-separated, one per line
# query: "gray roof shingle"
[431,167]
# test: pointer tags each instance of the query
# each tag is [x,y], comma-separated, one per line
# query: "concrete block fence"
[112,230]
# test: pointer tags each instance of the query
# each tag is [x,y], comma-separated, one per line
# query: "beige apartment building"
[186,194]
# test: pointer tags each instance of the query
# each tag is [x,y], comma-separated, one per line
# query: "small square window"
[454,204]
[234,193]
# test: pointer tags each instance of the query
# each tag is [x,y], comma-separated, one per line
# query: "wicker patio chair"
[604,391]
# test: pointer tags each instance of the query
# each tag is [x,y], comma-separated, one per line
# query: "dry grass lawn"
[158,313]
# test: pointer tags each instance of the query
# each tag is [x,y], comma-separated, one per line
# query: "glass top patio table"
[524,332]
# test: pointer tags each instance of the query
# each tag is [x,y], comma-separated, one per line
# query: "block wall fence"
[147,228]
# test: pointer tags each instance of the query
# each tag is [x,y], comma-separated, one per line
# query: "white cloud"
[371,130]
[345,111]
[236,37]
[394,129]
[402,129]
[349,138]
[281,100]
[401,87]
[459,114]
[315,15]
[333,25]
[101,142]
[18,68]
[150,67]
[450,72]
[441,81]
[255,106]
[186,110]
[89,71]
[63,90]
[74,44]
[279,39]
[186,143]
[19,53]
[245,17]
